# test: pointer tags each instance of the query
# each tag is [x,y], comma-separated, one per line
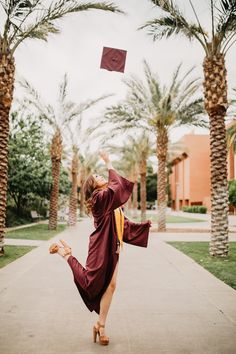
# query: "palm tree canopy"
[173,22]
[150,106]
[136,148]
[32,19]
[64,114]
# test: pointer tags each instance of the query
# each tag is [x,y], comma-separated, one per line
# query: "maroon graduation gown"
[93,280]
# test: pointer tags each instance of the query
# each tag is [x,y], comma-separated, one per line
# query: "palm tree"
[128,165]
[58,119]
[134,155]
[26,19]
[79,166]
[215,46]
[151,107]
[73,203]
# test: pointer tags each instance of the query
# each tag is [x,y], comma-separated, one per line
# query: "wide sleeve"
[117,193]
[136,233]
[79,272]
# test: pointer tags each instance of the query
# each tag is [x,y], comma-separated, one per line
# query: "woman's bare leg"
[106,300]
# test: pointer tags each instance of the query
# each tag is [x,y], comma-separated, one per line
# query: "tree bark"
[82,180]
[162,144]
[7,71]
[73,204]
[135,198]
[56,153]
[215,91]
[143,192]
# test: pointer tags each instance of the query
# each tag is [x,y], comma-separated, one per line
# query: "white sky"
[77,51]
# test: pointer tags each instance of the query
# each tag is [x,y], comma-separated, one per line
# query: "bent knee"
[112,286]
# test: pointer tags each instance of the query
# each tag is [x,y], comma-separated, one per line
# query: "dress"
[93,279]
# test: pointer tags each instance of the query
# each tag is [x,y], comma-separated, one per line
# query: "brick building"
[190,177]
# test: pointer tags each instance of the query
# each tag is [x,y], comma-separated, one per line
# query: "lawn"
[169,218]
[222,268]
[12,253]
[35,232]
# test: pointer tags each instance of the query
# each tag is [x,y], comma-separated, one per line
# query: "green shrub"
[13,218]
[195,209]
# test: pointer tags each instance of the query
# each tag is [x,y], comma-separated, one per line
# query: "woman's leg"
[106,300]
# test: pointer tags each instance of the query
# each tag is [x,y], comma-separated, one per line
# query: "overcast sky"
[77,51]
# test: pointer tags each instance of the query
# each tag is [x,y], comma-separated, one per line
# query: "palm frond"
[44,23]
[174,23]
[192,114]
[226,26]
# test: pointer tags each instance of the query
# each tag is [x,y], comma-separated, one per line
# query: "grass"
[223,268]
[169,218]
[35,232]
[12,253]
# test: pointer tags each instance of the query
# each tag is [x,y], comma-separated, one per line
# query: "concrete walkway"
[164,303]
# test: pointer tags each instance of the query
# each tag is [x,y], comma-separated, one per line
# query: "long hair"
[89,187]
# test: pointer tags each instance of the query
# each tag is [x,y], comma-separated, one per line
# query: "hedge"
[195,209]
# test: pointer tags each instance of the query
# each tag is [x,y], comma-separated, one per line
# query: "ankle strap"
[99,324]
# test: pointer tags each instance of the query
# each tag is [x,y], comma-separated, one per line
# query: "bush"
[13,218]
[195,209]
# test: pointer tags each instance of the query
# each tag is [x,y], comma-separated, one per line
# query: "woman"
[97,281]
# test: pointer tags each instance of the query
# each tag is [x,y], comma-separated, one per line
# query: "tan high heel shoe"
[103,340]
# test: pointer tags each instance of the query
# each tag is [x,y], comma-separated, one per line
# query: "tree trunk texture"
[215,91]
[135,198]
[56,153]
[73,204]
[7,71]
[82,180]
[143,191]
[162,143]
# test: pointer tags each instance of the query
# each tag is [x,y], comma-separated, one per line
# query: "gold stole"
[120,221]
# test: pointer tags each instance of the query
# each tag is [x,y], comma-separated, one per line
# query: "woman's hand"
[64,251]
[104,155]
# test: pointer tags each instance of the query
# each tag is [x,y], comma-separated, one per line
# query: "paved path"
[164,303]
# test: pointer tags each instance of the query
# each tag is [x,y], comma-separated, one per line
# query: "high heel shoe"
[103,340]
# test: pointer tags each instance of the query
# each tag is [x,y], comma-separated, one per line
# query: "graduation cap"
[113,59]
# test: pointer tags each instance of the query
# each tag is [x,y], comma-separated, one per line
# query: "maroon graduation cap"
[113,59]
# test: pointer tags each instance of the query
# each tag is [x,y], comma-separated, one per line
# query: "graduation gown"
[93,279]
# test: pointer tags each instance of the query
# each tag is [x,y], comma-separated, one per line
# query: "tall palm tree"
[157,108]
[26,19]
[73,203]
[58,119]
[136,150]
[215,45]
[76,137]
[128,165]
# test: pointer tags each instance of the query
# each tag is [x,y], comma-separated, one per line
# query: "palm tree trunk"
[81,213]
[162,144]
[135,198]
[7,70]
[215,91]
[74,195]
[82,180]
[143,192]
[56,152]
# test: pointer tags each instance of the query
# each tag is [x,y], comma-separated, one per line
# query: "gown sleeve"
[136,233]
[116,194]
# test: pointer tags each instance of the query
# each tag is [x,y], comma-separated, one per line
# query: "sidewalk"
[164,303]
